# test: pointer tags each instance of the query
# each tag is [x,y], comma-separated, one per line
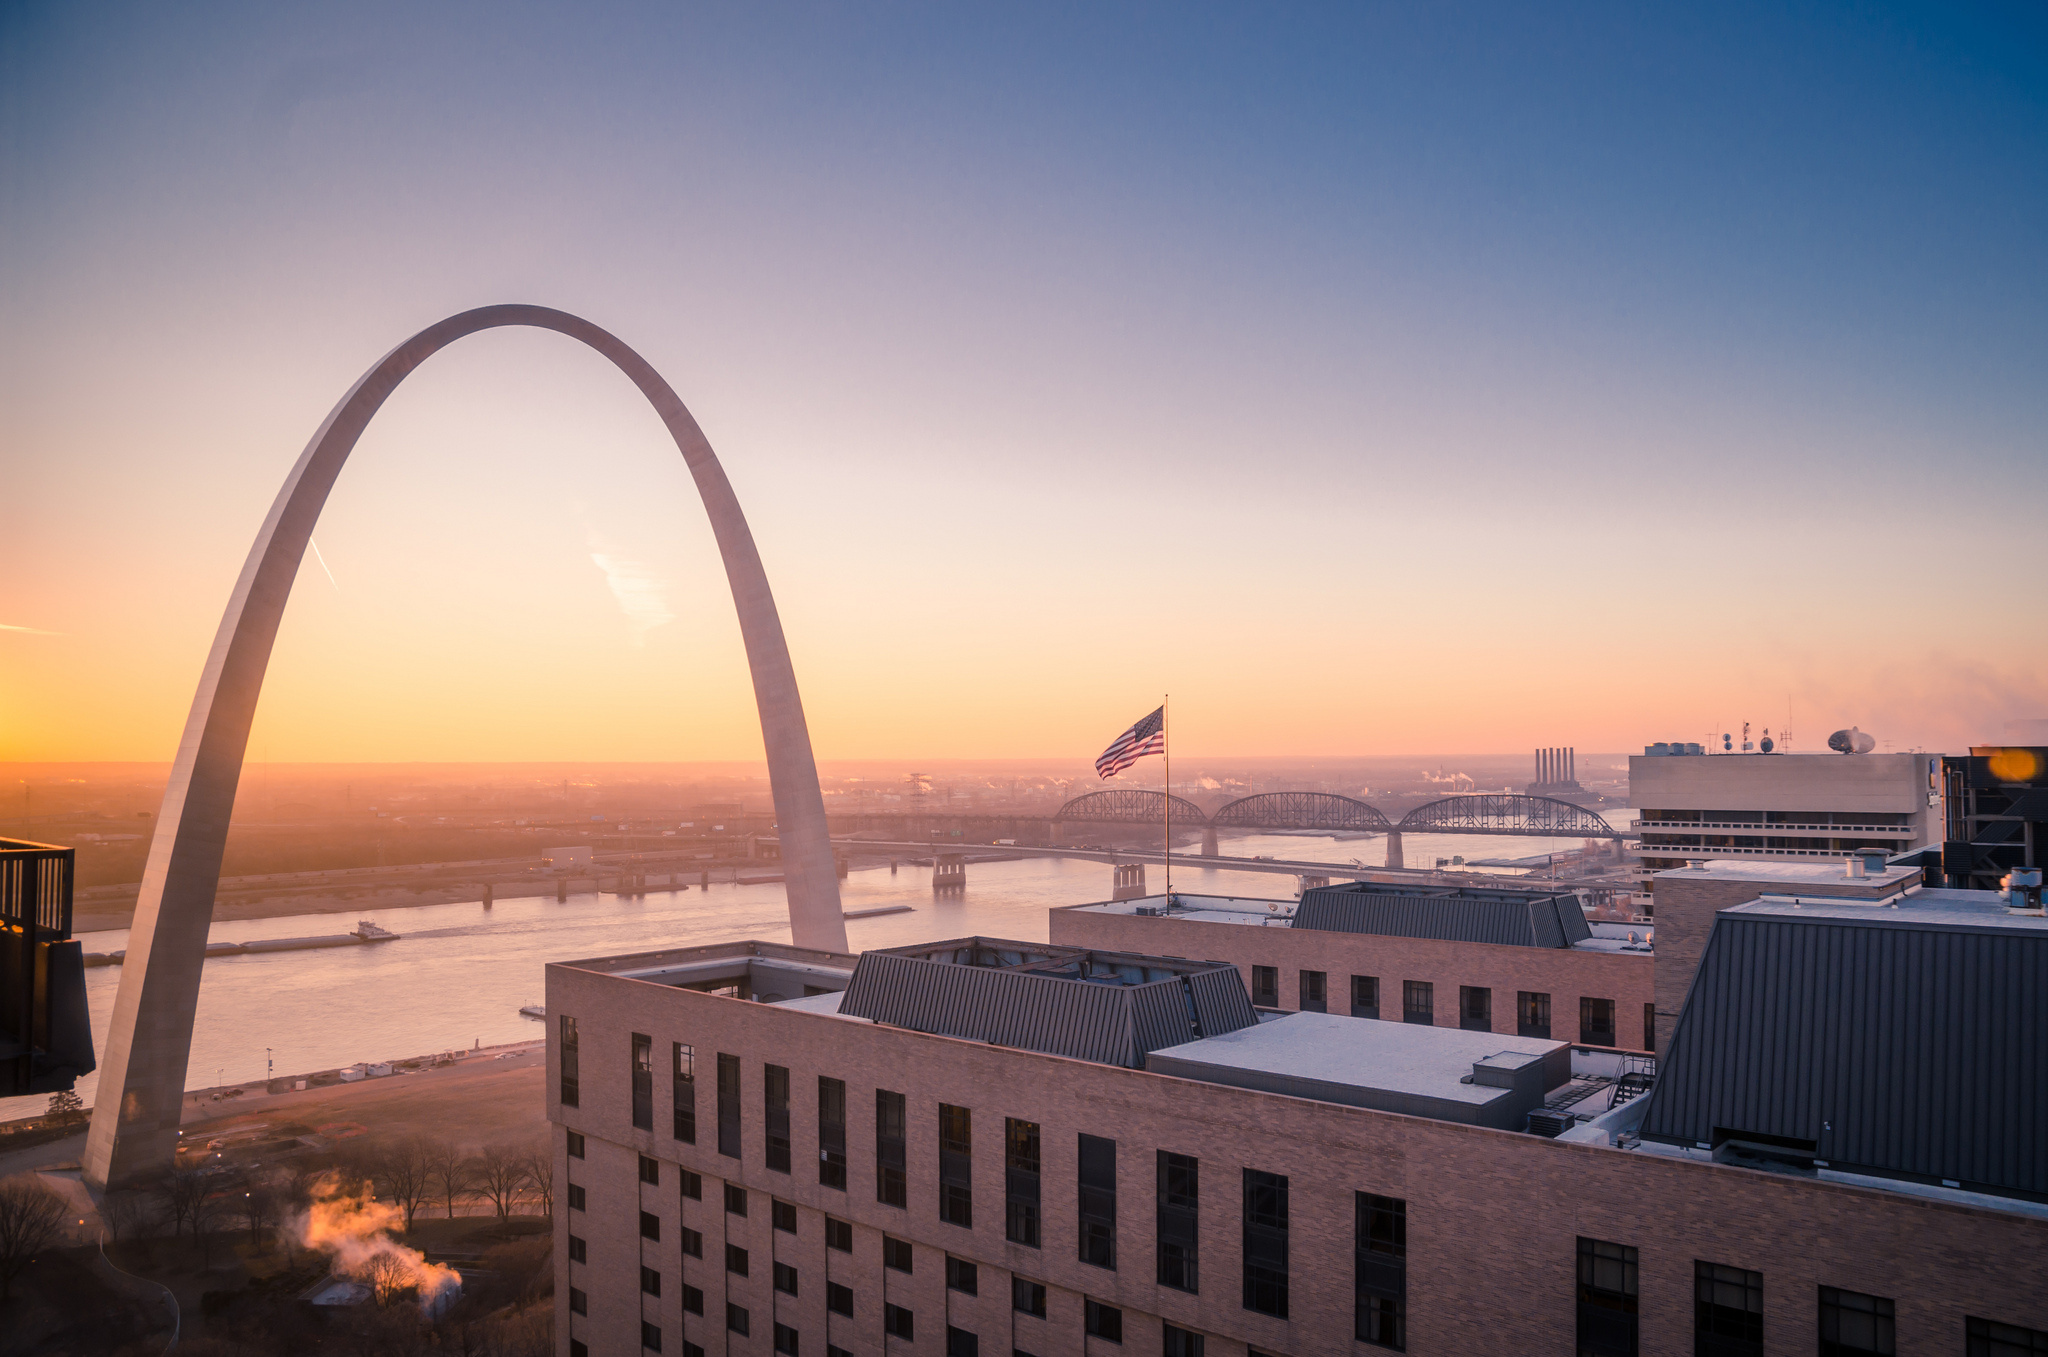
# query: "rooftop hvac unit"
[1550,1122]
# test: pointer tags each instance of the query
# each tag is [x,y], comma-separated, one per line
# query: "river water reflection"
[460,972]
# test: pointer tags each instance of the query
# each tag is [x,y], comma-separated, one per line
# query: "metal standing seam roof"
[1895,1047]
[1114,1024]
[1524,920]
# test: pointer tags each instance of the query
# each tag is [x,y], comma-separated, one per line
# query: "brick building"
[976,1148]
[1513,961]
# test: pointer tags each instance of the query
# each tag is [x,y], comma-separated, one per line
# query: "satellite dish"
[1851,741]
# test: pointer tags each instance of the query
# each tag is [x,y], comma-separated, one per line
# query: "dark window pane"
[784,1216]
[1365,996]
[838,1235]
[896,1253]
[891,1187]
[571,1060]
[839,1299]
[736,1260]
[1104,1321]
[1989,1338]
[1098,1201]
[1728,1311]
[729,1105]
[650,1337]
[1265,1243]
[956,1165]
[1179,1218]
[962,1275]
[683,1083]
[643,1082]
[1266,986]
[1315,992]
[1028,1297]
[1853,1324]
[1418,1002]
[1532,1014]
[1607,1299]
[650,1226]
[650,1281]
[1020,1182]
[1475,1008]
[775,1112]
[898,1322]
[1596,1022]
[960,1343]
[832,1133]
[1179,1342]
[737,1319]
[785,1279]
[735,1200]
[650,1171]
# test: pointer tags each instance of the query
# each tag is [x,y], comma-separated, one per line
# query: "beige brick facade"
[1492,1216]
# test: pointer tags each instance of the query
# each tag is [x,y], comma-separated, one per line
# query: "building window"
[1607,1299]
[693,1185]
[896,1253]
[1315,992]
[1179,1204]
[775,1109]
[962,1276]
[650,1171]
[1265,1243]
[737,1319]
[643,1082]
[684,1080]
[838,1235]
[898,1322]
[1649,1027]
[785,1340]
[785,1279]
[1475,1008]
[693,1300]
[650,1337]
[692,1242]
[1266,986]
[569,1061]
[576,1197]
[960,1343]
[579,1304]
[1988,1338]
[832,1133]
[578,1348]
[1853,1324]
[956,1165]
[1098,1201]
[1027,1297]
[736,1260]
[1596,1022]
[1532,1014]
[783,1214]
[1179,1342]
[1365,996]
[728,1105]
[577,1250]
[575,1144]
[735,1200]
[1728,1311]
[1380,1271]
[650,1281]
[650,1226]
[1104,1321]
[891,1127]
[1020,1181]
[1418,1002]
[831,1351]
[839,1299]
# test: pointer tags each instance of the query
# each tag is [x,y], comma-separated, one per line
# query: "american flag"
[1147,737]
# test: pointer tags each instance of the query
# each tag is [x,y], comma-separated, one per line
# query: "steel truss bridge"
[1478,813]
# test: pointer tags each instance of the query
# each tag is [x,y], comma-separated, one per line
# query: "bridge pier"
[949,873]
[1394,857]
[1127,881]
[1209,841]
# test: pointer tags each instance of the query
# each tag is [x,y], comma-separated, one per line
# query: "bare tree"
[258,1209]
[405,1169]
[539,1163]
[127,1215]
[30,1218]
[389,1274]
[207,1209]
[451,1172]
[179,1192]
[66,1108]
[500,1173]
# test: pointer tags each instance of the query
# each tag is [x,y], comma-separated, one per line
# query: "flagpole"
[1166,748]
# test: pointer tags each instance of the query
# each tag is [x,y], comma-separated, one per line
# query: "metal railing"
[35,888]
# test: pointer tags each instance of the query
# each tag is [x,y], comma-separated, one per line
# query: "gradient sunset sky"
[1422,379]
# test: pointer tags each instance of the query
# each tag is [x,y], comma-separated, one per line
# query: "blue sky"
[1668,353]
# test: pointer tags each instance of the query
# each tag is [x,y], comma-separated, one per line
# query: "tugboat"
[534,1010]
[370,932]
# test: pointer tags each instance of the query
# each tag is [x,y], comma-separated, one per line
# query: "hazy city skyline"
[1059,362]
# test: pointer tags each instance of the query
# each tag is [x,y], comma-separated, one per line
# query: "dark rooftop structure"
[1503,916]
[1904,1040]
[1110,1007]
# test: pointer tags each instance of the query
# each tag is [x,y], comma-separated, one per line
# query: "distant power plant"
[1556,771]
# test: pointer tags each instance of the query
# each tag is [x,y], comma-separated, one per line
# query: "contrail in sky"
[323,564]
[33,631]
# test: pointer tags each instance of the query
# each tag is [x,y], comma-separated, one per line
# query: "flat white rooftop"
[1946,908]
[1790,876]
[1483,1078]
[1214,909]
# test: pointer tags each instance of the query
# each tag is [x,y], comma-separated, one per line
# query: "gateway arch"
[142,1075]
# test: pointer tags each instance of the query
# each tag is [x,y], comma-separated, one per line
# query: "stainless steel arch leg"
[142,1070]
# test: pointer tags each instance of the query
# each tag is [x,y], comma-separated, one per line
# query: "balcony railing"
[35,888]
